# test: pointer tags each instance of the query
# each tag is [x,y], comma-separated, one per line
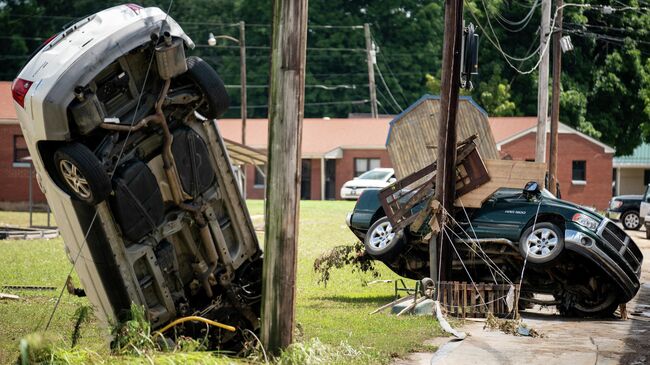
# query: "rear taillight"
[19,89]
[136,8]
[615,204]
[47,41]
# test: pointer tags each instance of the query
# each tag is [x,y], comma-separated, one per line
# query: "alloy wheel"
[631,221]
[382,235]
[541,242]
[75,179]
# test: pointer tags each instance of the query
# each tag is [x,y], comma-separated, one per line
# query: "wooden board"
[504,174]
[413,135]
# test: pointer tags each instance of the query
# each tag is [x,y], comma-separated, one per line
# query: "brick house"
[584,163]
[333,152]
[336,150]
[15,171]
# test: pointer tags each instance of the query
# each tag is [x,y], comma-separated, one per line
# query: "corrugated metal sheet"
[640,156]
[413,135]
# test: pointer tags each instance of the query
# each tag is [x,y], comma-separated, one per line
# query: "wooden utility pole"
[450,85]
[286,106]
[371,57]
[555,101]
[542,87]
[242,76]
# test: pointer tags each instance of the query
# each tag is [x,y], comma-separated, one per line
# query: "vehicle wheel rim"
[75,179]
[542,242]
[631,220]
[382,235]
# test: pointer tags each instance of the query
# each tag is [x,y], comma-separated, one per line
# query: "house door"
[305,180]
[330,179]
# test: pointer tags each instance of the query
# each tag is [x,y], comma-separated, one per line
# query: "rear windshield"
[375,175]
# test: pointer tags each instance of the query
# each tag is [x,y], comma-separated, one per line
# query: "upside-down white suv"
[120,126]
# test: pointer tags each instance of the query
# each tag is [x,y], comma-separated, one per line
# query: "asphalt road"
[564,341]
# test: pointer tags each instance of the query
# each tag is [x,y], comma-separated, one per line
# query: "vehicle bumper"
[351,193]
[615,216]
[360,233]
[619,264]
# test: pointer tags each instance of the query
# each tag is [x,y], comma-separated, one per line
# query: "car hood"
[363,183]
[570,205]
[628,197]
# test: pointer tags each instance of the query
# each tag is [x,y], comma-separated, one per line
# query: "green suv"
[585,263]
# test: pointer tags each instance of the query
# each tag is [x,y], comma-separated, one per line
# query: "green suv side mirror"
[531,189]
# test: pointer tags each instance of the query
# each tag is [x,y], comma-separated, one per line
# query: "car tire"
[212,87]
[542,244]
[81,174]
[583,307]
[631,220]
[381,242]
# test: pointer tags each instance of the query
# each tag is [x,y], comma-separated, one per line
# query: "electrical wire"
[392,98]
[387,63]
[387,100]
[543,50]
[523,23]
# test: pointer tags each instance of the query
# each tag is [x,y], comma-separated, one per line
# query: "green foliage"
[618,104]
[82,315]
[341,256]
[314,352]
[495,97]
[133,337]
[606,85]
[333,315]
[36,348]
[433,84]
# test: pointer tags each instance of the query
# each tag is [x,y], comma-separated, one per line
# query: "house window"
[579,172]
[362,165]
[646,177]
[20,152]
[260,176]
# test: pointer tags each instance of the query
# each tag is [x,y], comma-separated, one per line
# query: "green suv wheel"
[381,242]
[542,244]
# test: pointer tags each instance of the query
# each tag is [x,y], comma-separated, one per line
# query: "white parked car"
[120,126]
[376,178]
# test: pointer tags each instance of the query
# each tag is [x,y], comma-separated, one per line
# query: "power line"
[396,110]
[348,102]
[522,23]
[381,77]
[507,57]
[316,86]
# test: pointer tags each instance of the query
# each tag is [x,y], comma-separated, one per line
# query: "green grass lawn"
[338,313]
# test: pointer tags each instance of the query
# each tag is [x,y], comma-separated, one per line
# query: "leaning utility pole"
[286,106]
[242,76]
[542,87]
[449,89]
[555,101]
[371,58]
